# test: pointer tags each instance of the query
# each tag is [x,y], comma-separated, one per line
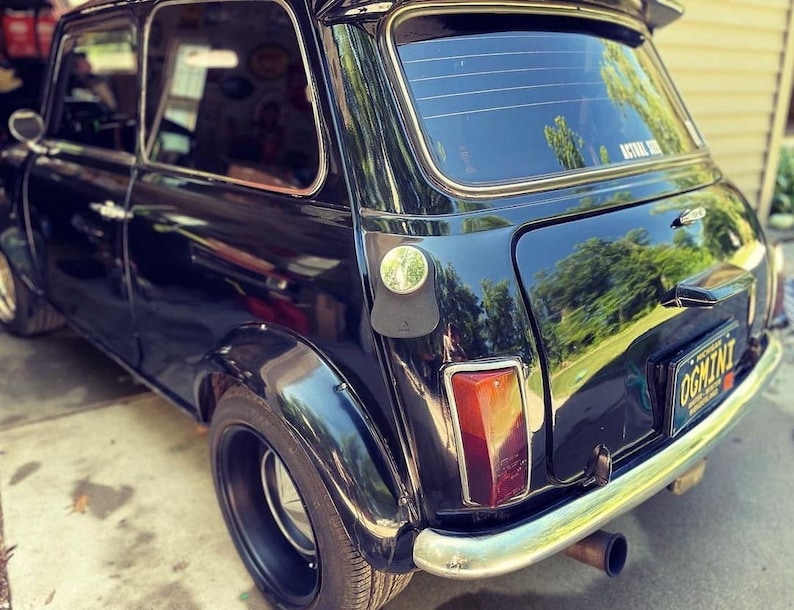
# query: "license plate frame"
[713,359]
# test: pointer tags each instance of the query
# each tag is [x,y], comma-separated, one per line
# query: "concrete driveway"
[107,502]
[107,499]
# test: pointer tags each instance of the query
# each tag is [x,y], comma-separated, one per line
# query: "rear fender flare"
[330,422]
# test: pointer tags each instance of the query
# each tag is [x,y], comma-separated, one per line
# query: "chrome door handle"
[110,210]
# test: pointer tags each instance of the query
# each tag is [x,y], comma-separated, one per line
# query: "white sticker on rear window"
[643,148]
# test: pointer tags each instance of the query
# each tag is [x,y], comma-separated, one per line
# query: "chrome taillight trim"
[476,367]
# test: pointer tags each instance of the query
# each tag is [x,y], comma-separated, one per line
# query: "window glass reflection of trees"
[488,323]
[626,76]
[508,105]
[606,285]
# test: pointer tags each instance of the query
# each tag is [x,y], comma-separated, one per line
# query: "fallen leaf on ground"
[80,504]
[49,598]
[202,430]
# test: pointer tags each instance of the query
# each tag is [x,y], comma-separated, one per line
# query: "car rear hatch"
[644,314]
[644,308]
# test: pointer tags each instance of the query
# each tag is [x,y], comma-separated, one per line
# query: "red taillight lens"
[492,434]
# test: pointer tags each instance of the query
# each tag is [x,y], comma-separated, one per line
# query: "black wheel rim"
[267,516]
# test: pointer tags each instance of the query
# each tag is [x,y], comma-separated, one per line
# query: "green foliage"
[483,223]
[386,184]
[460,305]
[604,286]
[502,321]
[566,143]
[629,86]
[404,268]
[487,324]
[783,198]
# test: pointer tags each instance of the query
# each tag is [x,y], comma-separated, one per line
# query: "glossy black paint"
[330,420]
[598,350]
[209,282]
[470,243]
[613,403]
[204,268]
[212,282]
[78,251]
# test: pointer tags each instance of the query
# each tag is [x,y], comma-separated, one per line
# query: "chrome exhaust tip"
[603,550]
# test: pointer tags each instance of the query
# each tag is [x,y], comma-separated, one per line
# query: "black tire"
[294,563]
[22,313]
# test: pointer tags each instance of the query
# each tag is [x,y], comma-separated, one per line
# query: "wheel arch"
[330,422]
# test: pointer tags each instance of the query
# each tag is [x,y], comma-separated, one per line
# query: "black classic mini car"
[453,283]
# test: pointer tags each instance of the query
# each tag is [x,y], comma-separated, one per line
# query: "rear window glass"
[505,99]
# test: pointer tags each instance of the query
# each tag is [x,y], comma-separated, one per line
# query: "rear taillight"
[492,435]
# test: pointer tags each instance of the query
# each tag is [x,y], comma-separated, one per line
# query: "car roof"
[654,13]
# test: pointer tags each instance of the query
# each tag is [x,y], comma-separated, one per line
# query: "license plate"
[700,376]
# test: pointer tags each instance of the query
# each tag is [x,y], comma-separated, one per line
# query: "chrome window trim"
[322,166]
[562,179]
[479,366]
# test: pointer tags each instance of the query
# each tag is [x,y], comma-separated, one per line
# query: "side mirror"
[26,126]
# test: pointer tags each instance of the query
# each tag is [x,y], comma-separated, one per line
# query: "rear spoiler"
[655,13]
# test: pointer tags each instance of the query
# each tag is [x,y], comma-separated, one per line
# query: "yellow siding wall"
[726,57]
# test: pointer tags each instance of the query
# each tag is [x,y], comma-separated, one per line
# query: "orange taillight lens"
[492,434]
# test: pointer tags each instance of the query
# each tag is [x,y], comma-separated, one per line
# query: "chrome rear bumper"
[455,555]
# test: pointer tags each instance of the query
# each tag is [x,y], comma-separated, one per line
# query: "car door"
[233,220]
[77,182]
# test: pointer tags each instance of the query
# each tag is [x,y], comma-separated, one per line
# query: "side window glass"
[227,94]
[99,90]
